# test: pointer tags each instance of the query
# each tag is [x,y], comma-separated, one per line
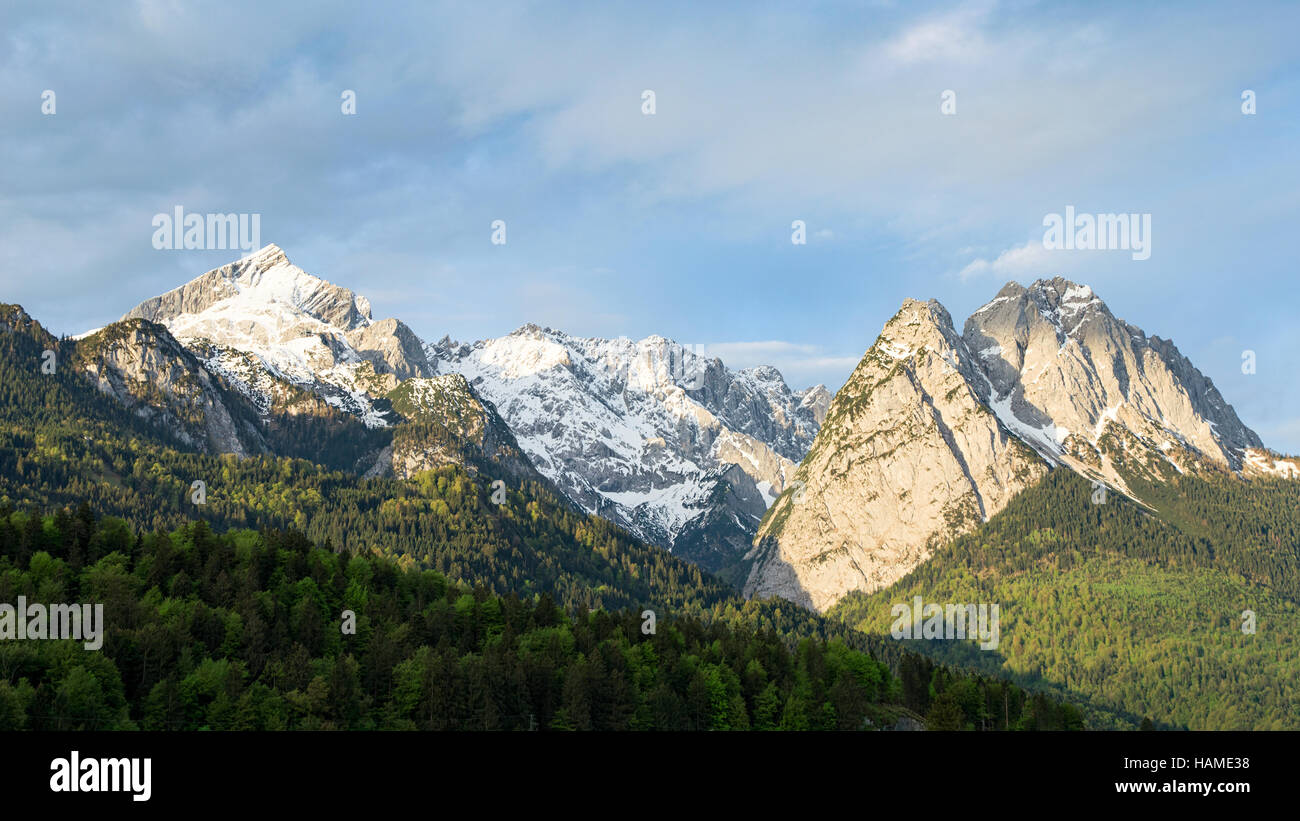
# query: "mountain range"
[675,447]
[1048,457]
[787,493]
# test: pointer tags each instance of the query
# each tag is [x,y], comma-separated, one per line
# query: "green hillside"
[1130,613]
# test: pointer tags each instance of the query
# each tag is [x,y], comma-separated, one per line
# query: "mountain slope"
[140,364]
[1132,615]
[63,441]
[935,432]
[448,423]
[908,456]
[644,432]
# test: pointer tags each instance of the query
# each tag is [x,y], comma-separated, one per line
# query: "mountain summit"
[1094,392]
[255,281]
[935,432]
[262,320]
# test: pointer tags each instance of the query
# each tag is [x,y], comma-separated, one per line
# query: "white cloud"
[1030,259]
[850,121]
[953,36]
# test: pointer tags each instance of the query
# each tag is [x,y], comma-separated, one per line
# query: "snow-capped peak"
[1057,359]
[639,430]
[299,328]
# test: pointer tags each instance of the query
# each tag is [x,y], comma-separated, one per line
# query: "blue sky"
[679,223]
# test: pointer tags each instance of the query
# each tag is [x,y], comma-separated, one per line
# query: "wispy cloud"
[954,36]
[1028,260]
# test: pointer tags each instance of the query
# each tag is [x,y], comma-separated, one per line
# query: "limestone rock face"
[1094,392]
[144,367]
[935,432]
[909,456]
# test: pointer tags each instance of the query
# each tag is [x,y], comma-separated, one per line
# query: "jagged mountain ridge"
[936,431]
[690,455]
[662,441]
[645,432]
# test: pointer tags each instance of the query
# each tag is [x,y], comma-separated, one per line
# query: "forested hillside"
[1128,611]
[62,443]
[246,630]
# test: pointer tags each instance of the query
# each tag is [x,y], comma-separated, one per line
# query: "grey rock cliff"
[935,432]
[144,367]
[909,456]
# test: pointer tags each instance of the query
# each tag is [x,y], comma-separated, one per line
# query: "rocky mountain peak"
[817,400]
[269,256]
[935,432]
[764,374]
[1011,290]
[296,327]
[925,313]
[13,319]
[531,330]
[261,282]
[1054,305]
[917,328]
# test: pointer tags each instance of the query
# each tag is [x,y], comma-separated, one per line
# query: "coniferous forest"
[245,631]
[1138,613]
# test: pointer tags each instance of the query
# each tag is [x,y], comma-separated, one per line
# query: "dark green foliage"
[243,631]
[1129,612]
